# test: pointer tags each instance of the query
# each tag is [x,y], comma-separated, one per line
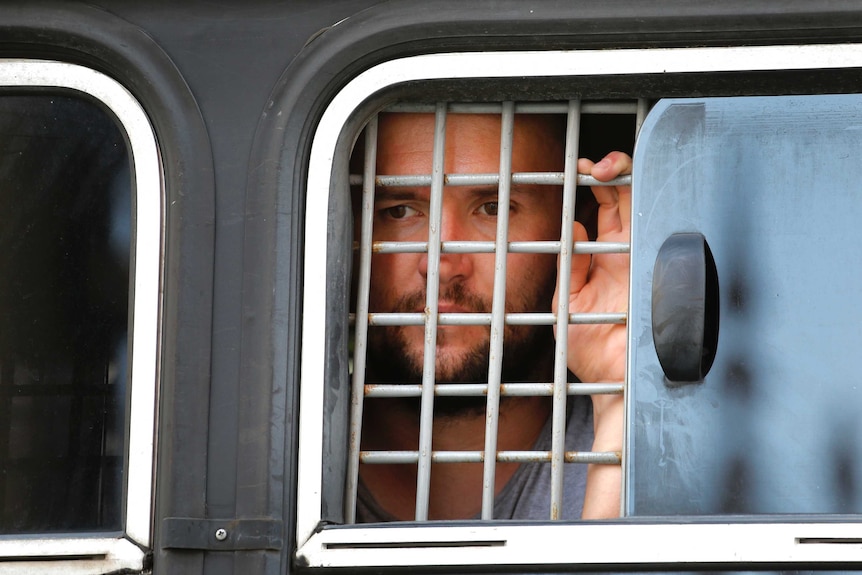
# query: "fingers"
[613,165]
[579,270]
[600,283]
[597,352]
[614,216]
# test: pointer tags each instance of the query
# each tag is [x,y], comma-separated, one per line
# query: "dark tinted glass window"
[774,186]
[65,203]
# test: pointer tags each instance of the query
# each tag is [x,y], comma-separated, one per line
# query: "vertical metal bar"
[361,329]
[642,110]
[498,310]
[426,417]
[558,416]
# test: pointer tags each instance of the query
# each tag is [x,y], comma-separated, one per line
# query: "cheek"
[393,275]
[530,268]
[386,267]
[530,280]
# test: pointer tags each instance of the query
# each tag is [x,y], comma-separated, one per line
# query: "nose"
[453,266]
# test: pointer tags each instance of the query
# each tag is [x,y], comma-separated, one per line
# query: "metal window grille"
[558,389]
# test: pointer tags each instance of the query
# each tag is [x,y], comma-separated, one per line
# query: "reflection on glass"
[775,186]
[65,204]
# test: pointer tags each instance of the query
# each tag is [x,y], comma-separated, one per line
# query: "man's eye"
[399,212]
[489,208]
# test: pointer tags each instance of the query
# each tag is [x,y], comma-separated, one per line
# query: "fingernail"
[604,163]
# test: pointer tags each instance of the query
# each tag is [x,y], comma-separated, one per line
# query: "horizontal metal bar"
[610,107]
[478,247]
[597,457]
[412,457]
[418,318]
[480,389]
[532,178]
[384,457]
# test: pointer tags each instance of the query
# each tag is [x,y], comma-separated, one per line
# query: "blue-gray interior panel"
[774,184]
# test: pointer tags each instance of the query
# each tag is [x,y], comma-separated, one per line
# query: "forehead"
[472,143]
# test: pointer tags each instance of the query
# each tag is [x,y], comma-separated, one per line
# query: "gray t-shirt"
[527,495]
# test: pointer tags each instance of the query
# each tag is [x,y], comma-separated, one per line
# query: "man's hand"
[597,353]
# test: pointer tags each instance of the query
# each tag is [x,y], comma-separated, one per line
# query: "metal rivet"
[221,534]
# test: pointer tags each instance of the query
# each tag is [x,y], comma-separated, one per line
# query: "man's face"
[398,281]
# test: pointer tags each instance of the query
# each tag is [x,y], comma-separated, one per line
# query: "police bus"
[181,310]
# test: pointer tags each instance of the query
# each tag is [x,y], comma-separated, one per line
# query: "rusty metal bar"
[479,389]
[561,371]
[418,318]
[432,289]
[486,247]
[411,457]
[361,323]
[532,178]
[600,107]
[498,308]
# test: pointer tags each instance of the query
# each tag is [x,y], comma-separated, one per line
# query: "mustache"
[455,294]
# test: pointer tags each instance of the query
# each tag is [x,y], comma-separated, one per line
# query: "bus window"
[64,307]
[337,526]
[80,257]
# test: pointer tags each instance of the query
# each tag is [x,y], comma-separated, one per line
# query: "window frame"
[101,552]
[662,541]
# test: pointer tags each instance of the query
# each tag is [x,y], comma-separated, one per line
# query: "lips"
[454,299]
[444,307]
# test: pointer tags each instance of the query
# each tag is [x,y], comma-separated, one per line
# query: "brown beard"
[528,351]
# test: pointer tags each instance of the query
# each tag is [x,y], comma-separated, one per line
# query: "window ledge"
[70,556]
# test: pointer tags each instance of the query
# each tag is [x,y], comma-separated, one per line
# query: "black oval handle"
[685,307]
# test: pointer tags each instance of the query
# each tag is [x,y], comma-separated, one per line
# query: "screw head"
[221,534]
